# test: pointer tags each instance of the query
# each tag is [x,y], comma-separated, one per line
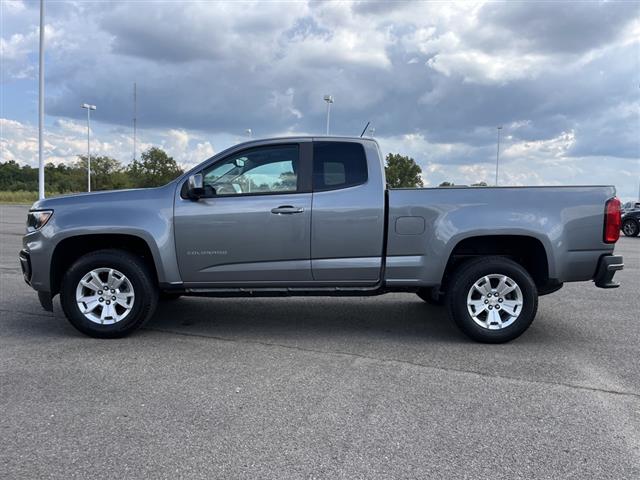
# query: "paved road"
[379,387]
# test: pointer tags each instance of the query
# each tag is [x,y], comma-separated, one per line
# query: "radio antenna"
[365,129]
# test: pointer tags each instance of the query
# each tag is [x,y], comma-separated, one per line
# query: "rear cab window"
[338,165]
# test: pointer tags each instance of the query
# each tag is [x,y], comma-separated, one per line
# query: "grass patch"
[22,196]
[19,196]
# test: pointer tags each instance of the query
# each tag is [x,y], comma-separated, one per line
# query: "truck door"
[253,226]
[347,226]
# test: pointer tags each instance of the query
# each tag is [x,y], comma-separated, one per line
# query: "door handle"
[286,210]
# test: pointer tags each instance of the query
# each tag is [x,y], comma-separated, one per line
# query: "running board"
[285,291]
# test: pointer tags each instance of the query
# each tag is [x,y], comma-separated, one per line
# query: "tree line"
[154,168]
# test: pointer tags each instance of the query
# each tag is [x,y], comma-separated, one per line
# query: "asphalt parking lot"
[382,387]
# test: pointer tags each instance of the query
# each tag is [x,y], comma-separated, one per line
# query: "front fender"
[145,214]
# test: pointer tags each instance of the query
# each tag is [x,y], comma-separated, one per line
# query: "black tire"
[428,295]
[169,296]
[144,302]
[467,275]
[630,228]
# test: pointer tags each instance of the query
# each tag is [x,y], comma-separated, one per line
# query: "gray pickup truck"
[313,216]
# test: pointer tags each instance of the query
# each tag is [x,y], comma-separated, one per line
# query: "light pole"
[41,105]
[498,154]
[89,108]
[329,100]
[135,120]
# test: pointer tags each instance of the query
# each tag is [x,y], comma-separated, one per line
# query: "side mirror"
[195,186]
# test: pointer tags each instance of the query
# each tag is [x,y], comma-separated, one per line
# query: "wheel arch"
[71,248]
[528,251]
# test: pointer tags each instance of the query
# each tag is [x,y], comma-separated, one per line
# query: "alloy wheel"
[494,301]
[105,296]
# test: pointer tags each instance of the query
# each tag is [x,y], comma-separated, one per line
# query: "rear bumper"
[608,265]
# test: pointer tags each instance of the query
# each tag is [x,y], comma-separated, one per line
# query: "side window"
[338,165]
[262,170]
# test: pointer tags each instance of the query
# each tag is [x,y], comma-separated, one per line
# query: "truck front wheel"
[108,293]
[492,299]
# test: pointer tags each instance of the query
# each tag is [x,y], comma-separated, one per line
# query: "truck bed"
[426,224]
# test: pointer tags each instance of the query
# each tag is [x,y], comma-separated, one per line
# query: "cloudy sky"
[434,79]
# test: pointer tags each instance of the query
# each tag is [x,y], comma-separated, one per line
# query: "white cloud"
[17,51]
[478,66]
[71,126]
[343,47]
[14,52]
[64,140]
[188,149]
[13,6]
[284,102]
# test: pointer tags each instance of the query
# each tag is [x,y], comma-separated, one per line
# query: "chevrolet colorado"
[313,216]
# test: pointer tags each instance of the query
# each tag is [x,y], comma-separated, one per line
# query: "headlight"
[37,220]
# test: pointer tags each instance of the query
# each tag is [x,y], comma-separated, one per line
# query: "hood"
[104,196]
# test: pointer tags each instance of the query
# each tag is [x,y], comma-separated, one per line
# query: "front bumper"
[608,265]
[25,264]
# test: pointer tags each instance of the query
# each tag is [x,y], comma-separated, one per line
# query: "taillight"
[612,220]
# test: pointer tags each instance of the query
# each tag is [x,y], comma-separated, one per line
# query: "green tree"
[447,184]
[13,177]
[106,173]
[402,171]
[64,179]
[155,168]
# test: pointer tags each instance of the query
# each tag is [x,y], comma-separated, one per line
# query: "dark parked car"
[630,206]
[631,223]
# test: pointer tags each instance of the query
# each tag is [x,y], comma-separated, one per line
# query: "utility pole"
[135,113]
[41,106]
[498,155]
[89,108]
[329,100]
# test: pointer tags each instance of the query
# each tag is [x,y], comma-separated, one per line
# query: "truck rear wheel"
[108,294]
[492,299]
